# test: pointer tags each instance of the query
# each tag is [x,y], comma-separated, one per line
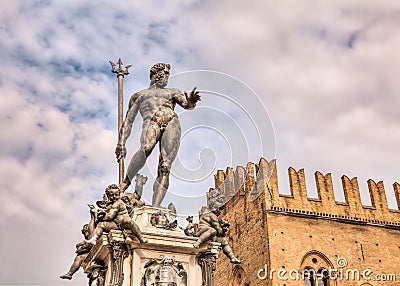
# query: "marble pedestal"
[168,258]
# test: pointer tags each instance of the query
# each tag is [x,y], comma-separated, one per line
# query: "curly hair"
[112,187]
[158,67]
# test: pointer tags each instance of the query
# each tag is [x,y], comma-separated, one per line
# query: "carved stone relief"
[164,271]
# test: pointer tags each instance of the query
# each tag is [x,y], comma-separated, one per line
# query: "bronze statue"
[115,216]
[189,230]
[212,229]
[159,220]
[226,249]
[132,200]
[83,247]
[140,181]
[209,227]
[97,273]
[160,125]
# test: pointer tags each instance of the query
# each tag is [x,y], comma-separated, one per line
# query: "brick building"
[296,240]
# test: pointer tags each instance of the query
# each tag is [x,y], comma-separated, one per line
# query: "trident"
[120,75]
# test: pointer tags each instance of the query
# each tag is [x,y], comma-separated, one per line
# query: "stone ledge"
[347,219]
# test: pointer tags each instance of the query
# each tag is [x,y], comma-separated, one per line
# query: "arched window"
[312,278]
[309,276]
[323,277]
[315,267]
[238,277]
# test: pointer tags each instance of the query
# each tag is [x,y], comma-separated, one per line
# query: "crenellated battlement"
[260,182]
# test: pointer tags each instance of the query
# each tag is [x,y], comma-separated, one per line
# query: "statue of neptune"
[160,125]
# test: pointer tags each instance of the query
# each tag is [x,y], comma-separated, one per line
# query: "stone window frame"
[317,261]
[233,280]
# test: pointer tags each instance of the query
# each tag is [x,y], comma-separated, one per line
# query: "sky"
[311,83]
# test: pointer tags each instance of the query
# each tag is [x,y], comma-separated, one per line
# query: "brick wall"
[292,231]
